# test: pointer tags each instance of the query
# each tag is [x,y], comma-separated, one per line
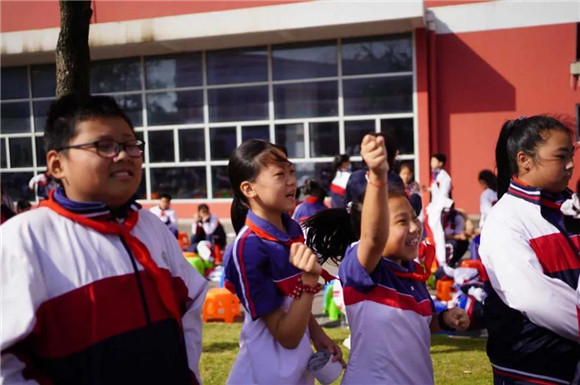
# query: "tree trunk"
[72,49]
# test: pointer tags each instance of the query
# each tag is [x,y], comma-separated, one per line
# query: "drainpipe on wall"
[575,75]
[432,81]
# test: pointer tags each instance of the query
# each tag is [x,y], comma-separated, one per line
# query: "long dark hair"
[245,164]
[522,134]
[330,232]
[313,188]
[336,163]
[489,178]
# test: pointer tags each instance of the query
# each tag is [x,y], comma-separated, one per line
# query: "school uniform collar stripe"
[536,195]
[535,191]
[94,210]
[524,196]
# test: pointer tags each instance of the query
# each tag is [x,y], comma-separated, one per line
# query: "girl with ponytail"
[272,272]
[339,176]
[532,261]
[314,203]
[389,309]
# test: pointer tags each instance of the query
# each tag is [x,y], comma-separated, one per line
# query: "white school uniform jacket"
[167,216]
[486,201]
[258,270]
[389,320]
[533,267]
[78,308]
[440,186]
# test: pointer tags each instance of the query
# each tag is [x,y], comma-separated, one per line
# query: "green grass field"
[455,360]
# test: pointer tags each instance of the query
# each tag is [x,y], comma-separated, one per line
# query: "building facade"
[198,78]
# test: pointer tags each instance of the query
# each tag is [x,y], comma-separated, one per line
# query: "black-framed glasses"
[110,148]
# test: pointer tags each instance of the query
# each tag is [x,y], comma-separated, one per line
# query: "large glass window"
[244,65]
[377,55]
[319,171]
[402,131]
[221,186]
[3,158]
[40,114]
[115,75]
[301,100]
[175,108]
[324,139]
[239,103]
[256,132]
[40,152]
[378,95]
[291,136]
[173,71]
[15,117]
[14,83]
[304,60]
[43,80]
[142,190]
[161,146]
[191,145]
[222,142]
[180,182]
[318,99]
[132,107]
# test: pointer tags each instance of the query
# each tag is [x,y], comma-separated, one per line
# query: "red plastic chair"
[183,240]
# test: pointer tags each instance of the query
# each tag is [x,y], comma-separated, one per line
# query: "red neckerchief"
[311,200]
[138,249]
[423,268]
[298,239]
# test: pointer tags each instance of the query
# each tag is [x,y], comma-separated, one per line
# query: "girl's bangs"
[275,155]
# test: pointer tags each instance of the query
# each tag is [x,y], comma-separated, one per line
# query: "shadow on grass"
[218,347]
[442,344]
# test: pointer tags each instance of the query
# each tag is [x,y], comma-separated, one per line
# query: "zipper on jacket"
[139,283]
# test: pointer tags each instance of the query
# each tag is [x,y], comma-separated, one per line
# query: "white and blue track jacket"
[533,266]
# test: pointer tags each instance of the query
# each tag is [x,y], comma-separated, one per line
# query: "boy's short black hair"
[203,206]
[440,157]
[68,110]
[166,196]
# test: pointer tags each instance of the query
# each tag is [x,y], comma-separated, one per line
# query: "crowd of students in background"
[375,227]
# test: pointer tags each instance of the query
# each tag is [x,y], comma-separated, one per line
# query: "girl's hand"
[323,342]
[374,153]
[456,318]
[303,258]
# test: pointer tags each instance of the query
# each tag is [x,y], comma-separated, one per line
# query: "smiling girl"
[389,309]
[271,270]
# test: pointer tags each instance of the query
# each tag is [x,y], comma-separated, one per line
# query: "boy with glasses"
[95,289]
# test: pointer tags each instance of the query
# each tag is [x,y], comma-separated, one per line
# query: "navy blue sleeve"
[351,272]
[248,269]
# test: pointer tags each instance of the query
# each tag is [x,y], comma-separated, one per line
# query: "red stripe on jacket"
[389,297]
[555,253]
[105,308]
[337,189]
